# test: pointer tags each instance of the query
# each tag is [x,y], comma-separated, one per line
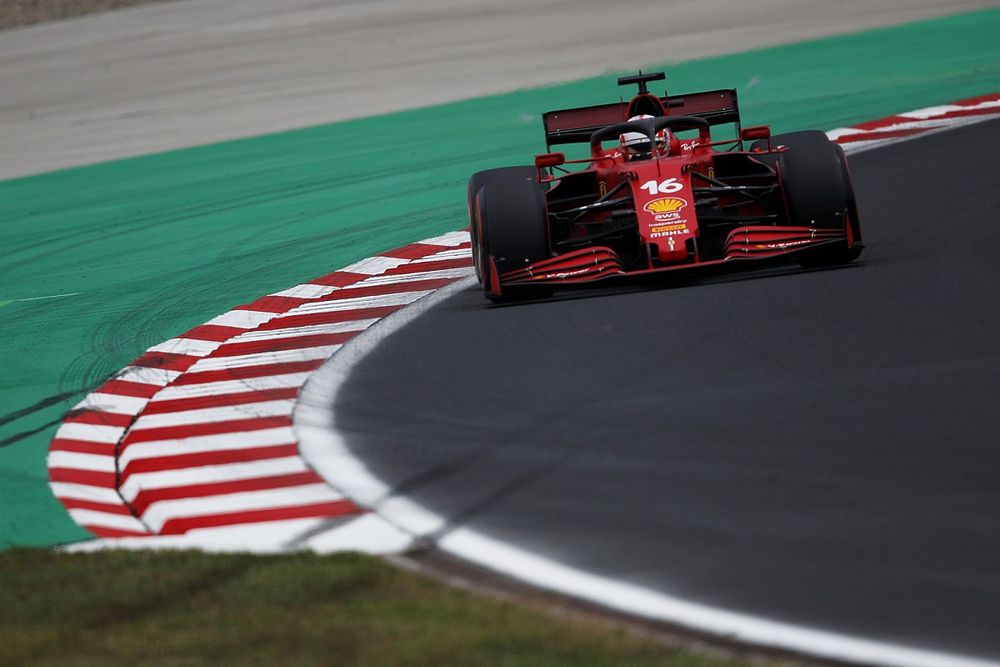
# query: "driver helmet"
[636,144]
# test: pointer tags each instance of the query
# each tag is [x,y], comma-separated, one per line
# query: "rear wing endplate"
[570,126]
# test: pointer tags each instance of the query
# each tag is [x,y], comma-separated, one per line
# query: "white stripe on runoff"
[93,462]
[222,387]
[929,112]
[408,278]
[211,474]
[92,432]
[913,125]
[200,444]
[212,415]
[358,302]
[264,358]
[241,319]
[106,519]
[451,239]
[186,346]
[307,330]
[374,266]
[158,513]
[96,494]
[443,255]
[114,403]
[306,291]
[144,375]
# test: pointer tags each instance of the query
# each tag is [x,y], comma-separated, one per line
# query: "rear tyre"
[478,180]
[818,193]
[512,230]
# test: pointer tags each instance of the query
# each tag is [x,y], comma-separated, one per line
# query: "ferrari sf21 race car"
[656,202]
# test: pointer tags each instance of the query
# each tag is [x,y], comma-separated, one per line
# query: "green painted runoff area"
[101,262]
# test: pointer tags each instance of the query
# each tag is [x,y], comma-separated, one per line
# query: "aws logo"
[665,205]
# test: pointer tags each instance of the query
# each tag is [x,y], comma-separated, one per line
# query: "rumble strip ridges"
[195,436]
[196,433]
[912,123]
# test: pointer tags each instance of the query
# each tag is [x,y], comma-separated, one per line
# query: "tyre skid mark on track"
[206,415]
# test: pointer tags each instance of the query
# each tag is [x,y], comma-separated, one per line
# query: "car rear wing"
[571,126]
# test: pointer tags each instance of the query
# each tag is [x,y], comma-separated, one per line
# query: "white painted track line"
[325,449]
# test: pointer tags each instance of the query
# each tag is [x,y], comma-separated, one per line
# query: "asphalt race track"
[818,447]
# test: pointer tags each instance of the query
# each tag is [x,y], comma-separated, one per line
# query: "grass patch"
[191,608]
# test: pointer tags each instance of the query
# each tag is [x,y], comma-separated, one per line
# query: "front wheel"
[513,230]
[476,183]
[819,194]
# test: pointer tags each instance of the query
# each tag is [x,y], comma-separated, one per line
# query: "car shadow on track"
[632,285]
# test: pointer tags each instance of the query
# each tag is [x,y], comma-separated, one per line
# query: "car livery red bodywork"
[688,203]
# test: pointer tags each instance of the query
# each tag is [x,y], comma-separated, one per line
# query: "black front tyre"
[818,193]
[514,231]
[478,180]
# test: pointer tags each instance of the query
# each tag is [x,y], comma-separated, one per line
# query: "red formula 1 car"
[655,202]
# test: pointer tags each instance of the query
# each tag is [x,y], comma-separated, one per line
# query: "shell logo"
[665,205]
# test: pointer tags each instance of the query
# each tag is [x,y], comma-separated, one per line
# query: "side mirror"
[756,132]
[549,160]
